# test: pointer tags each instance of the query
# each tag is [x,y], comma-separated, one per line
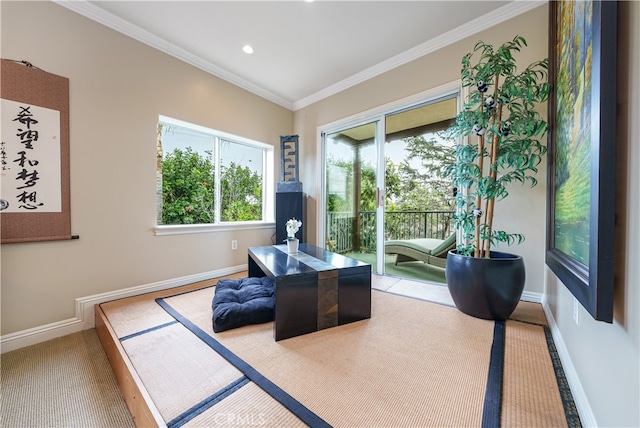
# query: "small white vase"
[292,245]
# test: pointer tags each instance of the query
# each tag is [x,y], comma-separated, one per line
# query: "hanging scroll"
[34,155]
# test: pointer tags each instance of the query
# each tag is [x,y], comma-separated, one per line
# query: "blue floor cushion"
[239,302]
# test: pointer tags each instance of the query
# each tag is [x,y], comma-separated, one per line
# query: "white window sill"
[182,229]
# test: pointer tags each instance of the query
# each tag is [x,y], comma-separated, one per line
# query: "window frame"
[268,184]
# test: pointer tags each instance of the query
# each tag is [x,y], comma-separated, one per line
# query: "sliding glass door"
[418,199]
[383,183]
[351,191]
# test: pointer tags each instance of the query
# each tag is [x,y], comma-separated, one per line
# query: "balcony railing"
[347,233]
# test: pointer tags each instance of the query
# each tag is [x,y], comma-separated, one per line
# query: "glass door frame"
[342,126]
[378,115]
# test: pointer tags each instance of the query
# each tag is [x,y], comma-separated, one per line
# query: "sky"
[177,137]
[394,150]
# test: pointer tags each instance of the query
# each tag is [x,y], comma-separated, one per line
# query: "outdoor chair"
[429,250]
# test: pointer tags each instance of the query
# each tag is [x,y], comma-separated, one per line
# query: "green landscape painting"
[573,129]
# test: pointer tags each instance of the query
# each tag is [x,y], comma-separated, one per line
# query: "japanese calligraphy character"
[29,201]
[25,117]
[30,178]
[27,137]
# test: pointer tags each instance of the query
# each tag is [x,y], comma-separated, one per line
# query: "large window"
[208,177]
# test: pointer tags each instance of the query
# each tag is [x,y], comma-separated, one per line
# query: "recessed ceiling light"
[247,49]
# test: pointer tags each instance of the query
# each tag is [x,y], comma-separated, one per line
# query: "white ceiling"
[303,51]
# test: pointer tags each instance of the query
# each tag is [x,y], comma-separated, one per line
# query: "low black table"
[315,288]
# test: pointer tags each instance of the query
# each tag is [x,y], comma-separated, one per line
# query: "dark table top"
[275,261]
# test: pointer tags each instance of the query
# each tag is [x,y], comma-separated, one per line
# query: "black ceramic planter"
[486,288]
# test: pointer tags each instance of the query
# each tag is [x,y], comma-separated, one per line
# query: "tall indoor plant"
[504,129]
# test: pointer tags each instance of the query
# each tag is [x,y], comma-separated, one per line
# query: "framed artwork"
[582,147]
[289,163]
[289,158]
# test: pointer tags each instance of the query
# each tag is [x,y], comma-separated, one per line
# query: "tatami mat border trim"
[493,395]
[207,403]
[145,331]
[293,405]
[570,409]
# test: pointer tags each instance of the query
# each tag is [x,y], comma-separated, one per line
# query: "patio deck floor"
[410,270]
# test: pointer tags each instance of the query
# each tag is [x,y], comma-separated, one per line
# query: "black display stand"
[289,205]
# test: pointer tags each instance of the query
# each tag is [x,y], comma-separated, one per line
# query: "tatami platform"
[417,362]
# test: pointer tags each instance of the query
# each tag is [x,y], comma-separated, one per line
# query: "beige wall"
[431,71]
[118,87]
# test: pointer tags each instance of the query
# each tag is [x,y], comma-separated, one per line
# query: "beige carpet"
[64,382]
[413,364]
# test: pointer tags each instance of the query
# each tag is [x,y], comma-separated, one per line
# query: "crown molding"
[481,23]
[95,13]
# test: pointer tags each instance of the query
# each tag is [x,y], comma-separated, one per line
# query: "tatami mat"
[249,407]
[177,370]
[527,362]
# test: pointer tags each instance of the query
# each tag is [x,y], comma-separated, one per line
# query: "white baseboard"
[529,296]
[84,318]
[587,417]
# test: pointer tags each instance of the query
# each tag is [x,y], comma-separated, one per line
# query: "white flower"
[293,226]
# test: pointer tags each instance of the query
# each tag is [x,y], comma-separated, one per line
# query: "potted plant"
[504,131]
[293,226]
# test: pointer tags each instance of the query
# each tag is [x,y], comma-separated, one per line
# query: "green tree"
[425,188]
[187,188]
[241,193]
[507,144]
[367,185]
